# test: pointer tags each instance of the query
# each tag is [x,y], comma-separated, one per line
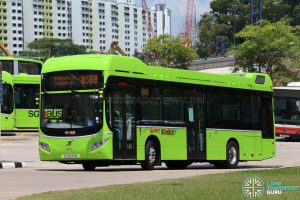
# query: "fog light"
[98,144]
[45,146]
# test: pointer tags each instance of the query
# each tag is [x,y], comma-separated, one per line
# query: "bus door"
[123,123]
[195,109]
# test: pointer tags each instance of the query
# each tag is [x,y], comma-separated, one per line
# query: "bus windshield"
[71,111]
[7,107]
[287,111]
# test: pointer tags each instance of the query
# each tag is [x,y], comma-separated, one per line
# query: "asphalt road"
[40,177]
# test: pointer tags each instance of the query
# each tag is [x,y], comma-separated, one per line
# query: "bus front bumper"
[75,149]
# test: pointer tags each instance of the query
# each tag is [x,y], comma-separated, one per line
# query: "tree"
[168,51]
[274,10]
[269,46]
[28,53]
[218,27]
[228,17]
[206,46]
[49,47]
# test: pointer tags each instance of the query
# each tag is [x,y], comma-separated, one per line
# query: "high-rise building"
[92,23]
[46,18]
[161,18]
[11,25]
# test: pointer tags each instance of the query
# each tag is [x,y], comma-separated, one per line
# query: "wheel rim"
[232,154]
[152,155]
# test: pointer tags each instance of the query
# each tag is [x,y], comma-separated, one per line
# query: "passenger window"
[30,68]
[150,106]
[173,107]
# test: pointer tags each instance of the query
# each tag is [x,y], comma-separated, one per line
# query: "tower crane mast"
[190,22]
[147,16]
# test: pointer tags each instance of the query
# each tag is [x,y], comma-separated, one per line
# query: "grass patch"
[217,186]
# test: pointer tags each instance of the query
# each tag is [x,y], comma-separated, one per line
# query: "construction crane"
[190,22]
[147,17]
[115,48]
[5,50]
[255,11]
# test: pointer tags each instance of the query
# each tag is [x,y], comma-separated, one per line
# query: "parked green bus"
[100,110]
[20,108]
[7,107]
[24,84]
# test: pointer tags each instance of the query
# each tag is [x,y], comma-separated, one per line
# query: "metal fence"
[212,63]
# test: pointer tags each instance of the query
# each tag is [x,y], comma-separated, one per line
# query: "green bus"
[20,109]
[18,65]
[22,88]
[100,110]
[7,107]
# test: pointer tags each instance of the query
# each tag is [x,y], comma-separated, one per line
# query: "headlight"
[45,146]
[98,144]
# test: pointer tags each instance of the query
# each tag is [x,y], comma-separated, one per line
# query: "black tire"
[177,164]
[232,157]
[89,166]
[151,156]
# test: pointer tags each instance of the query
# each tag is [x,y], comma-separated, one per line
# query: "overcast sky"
[178,8]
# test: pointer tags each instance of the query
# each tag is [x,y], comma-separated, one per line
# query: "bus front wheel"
[151,156]
[89,166]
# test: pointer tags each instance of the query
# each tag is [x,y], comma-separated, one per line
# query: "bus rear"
[287,111]
[7,107]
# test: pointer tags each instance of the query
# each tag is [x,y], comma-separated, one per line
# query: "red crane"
[147,16]
[190,12]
